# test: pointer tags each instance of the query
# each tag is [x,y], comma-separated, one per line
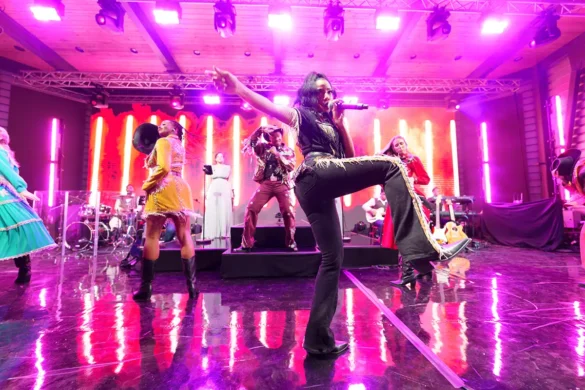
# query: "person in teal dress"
[21,230]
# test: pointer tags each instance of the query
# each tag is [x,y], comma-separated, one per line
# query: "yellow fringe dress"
[167,193]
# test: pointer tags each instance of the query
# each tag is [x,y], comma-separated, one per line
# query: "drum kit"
[118,229]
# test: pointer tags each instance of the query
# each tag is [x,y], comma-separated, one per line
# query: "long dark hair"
[308,94]
[177,126]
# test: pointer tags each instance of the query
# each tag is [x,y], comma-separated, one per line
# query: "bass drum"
[79,235]
[115,223]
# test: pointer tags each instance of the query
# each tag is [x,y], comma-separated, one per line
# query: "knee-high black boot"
[24,271]
[145,291]
[407,276]
[189,269]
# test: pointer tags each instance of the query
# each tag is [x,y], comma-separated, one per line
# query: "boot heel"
[190,269]
[145,291]
[24,269]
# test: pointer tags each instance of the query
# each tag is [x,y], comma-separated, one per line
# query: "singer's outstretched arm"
[231,84]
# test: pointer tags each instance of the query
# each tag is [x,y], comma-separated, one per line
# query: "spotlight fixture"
[438,28]
[549,32]
[211,100]
[110,16]
[246,106]
[387,20]
[279,17]
[333,23]
[225,18]
[177,99]
[453,105]
[99,99]
[167,12]
[494,24]
[48,10]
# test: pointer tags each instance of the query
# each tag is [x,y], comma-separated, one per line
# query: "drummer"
[126,205]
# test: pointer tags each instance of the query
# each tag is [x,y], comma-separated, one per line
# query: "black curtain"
[535,224]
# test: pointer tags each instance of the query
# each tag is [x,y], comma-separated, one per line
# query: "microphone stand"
[204,241]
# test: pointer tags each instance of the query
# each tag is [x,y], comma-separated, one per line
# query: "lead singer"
[167,196]
[331,170]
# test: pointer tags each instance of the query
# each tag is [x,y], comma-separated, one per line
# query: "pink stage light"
[263,121]
[403,128]
[386,21]
[48,11]
[486,164]
[166,12]
[211,99]
[97,147]
[127,153]
[429,151]
[53,162]
[154,120]
[246,106]
[236,151]
[493,25]
[346,198]
[282,100]
[561,132]
[455,158]
[279,18]
[377,147]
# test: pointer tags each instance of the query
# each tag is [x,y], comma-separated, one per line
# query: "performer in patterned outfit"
[167,196]
[397,147]
[21,230]
[331,170]
[275,161]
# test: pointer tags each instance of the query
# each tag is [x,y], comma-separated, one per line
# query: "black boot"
[145,291]
[24,273]
[189,269]
[408,275]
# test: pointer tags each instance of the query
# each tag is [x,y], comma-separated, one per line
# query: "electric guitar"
[438,233]
[453,232]
[376,215]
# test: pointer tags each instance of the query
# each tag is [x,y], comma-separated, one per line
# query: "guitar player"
[375,209]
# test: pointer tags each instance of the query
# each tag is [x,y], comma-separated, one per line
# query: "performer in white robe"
[219,204]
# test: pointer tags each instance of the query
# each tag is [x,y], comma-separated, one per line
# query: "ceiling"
[405,53]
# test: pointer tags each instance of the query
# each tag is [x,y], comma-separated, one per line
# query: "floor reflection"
[497,322]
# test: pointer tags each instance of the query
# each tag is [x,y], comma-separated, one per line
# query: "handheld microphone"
[344,106]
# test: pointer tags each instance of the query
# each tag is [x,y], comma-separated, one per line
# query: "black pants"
[316,190]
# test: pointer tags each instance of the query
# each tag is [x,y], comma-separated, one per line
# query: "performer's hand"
[223,80]
[337,113]
[273,151]
[28,196]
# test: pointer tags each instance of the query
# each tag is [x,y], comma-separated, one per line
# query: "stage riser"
[272,237]
[207,260]
[273,264]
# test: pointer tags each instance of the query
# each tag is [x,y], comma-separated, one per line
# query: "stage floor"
[516,322]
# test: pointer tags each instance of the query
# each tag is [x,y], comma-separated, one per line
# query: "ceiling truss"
[69,82]
[510,7]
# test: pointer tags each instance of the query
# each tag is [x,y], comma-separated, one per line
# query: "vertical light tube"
[429,151]
[154,119]
[236,150]
[455,158]
[209,141]
[263,121]
[346,198]
[497,370]
[403,128]
[377,148]
[97,148]
[53,161]
[183,122]
[561,132]
[486,164]
[127,153]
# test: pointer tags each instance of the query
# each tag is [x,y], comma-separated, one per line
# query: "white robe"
[218,205]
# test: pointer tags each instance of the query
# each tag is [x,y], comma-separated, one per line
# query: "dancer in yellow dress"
[167,196]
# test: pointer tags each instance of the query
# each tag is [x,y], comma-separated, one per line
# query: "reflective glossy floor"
[510,319]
